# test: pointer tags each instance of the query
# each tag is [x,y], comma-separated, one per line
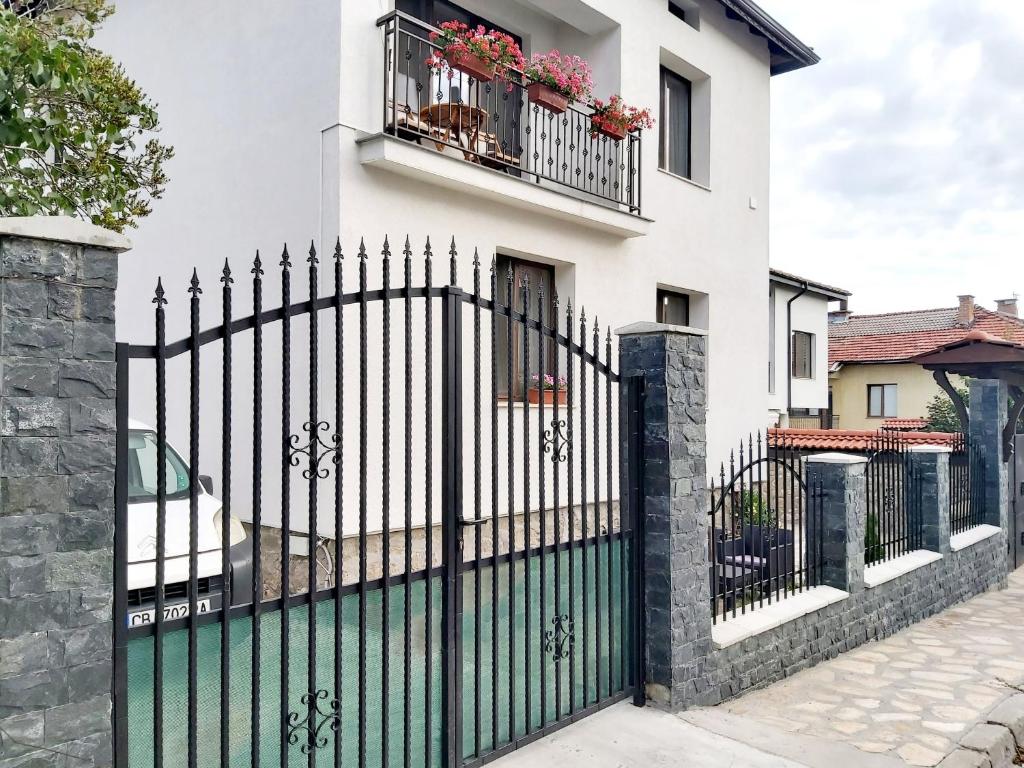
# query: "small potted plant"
[616,118]
[557,80]
[479,53]
[546,384]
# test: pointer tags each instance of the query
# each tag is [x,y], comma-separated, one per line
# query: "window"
[535,275]
[676,11]
[142,467]
[686,11]
[674,149]
[882,400]
[803,355]
[673,307]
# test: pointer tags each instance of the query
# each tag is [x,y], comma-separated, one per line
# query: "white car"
[141,538]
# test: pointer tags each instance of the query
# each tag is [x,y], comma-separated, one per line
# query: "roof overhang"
[787,52]
[792,281]
[979,355]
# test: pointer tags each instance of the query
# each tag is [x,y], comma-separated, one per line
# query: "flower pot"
[547,97]
[533,395]
[611,131]
[474,66]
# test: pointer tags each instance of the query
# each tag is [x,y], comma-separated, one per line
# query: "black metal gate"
[374,643]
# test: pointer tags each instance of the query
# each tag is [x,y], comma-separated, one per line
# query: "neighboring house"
[871,377]
[798,311]
[290,124]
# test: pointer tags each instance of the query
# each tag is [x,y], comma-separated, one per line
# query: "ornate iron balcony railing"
[495,125]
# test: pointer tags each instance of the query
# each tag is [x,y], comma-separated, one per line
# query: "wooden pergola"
[980,355]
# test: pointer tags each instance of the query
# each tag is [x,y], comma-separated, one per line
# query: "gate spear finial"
[159,299]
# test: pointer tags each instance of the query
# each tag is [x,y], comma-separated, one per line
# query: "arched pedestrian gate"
[414,553]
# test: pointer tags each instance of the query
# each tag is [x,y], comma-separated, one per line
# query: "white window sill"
[972,536]
[875,575]
[504,405]
[762,619]
[691,182]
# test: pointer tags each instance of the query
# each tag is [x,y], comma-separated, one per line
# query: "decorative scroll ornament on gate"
[316,449]
[557,440]
[315,722]
[559,641]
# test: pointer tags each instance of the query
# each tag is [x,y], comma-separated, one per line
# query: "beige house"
[871,377]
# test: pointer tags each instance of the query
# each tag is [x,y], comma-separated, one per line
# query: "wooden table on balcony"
[460,118]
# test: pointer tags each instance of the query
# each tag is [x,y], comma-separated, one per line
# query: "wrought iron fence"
[490,598]
[765,528]
[894,523]
[495,125]
[966,466]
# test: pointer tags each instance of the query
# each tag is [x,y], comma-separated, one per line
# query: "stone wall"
[56,491]
[684,666]
[867,614]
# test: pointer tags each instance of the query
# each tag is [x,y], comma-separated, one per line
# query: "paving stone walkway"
[913,695]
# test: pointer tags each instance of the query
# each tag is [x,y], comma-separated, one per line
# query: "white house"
[798,319]
[293,121]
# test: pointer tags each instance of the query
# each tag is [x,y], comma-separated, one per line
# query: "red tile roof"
[899,336]
[904,424]
[857,440]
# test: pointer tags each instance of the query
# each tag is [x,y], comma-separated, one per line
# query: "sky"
[898,160]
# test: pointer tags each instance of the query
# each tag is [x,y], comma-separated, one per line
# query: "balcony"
[494,125]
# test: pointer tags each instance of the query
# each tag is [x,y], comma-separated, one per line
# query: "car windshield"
[142,465]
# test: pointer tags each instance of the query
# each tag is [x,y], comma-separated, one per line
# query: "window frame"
[664,150]
[810,355]
[884,401]
[519,266]
[663,293]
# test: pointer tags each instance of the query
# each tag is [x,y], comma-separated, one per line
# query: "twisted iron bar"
[328,448]
[315,721]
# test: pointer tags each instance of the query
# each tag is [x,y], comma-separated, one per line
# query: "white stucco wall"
[810,315]
[265,105]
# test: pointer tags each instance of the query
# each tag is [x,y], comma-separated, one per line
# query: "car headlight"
[236,532]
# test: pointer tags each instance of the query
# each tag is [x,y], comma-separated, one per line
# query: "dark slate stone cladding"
[56,501]
[682,667]
[867,614]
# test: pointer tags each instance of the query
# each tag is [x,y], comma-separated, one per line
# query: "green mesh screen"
[590,684]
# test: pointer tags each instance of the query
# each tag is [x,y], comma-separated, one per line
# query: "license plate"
[176,611]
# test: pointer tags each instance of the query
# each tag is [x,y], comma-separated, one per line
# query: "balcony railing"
[494,124]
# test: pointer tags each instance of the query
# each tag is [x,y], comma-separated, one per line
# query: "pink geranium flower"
[569,75]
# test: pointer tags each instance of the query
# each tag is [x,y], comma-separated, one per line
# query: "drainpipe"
[789,349]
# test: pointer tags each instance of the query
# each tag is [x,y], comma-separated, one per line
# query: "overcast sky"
[898,161]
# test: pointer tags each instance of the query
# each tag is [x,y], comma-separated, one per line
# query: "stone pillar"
[844,517]
[677,595]
[988,417]
[57,281]
[929,465]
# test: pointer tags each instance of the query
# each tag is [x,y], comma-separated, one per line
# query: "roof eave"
[837,294]
[790,53]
